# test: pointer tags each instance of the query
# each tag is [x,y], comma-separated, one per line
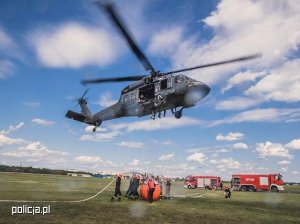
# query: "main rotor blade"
[217,63]
[109,8]
[117,79]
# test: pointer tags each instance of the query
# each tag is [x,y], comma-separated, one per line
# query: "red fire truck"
[254,182]
[206,182]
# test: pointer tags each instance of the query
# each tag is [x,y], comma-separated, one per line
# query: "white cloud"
[165,41]
[4,140]
[131,144]
[89,129]
[106,100]
[222,150]
[7,68]
[214,155]
[12,128]
[269,149]
[86,160]
[74,45]
[9,50]
[260,115]
[34,150]
[272,86]
[281,85]
[237,103]
[8,46]
[240,145]
[150,125]
[167,156]
[262,168]
[100,137]
[5,40]
[294,144]
[284,162]
[36,154]
[243,77]
[257,29]
[135,162]
[284,169]
[232,136]
[198,157]
[32,104]
[42,122]
[224,164]
[295,172]
[168,143]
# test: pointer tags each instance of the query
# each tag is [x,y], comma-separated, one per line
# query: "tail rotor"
[82,100]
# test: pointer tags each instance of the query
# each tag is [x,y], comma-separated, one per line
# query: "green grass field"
[198,206]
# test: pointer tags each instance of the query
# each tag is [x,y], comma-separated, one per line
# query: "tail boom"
[81,118]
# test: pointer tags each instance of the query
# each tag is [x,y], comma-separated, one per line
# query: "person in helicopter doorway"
[151,186]
[227,192]
[117,189]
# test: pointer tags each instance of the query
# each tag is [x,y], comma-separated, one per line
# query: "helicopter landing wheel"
[178,114]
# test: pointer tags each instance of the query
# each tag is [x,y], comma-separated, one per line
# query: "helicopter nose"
[196,93]
[205,89]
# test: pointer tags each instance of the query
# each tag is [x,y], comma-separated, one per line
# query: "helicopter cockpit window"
[179,78]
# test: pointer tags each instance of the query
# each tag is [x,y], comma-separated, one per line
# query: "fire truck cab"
[255,182]
[205,182]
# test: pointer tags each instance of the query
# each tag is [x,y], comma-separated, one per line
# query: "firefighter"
[117,189]
[168,188]
[151,186]
[129,191]
[227,192]
[135,185]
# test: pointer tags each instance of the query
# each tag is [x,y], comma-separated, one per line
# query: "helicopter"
[151,94]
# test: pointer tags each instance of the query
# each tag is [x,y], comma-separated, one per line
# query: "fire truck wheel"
[274,189]
[244,188]
[189,187]
[251,188]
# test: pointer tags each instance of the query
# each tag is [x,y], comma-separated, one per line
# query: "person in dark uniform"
[151,185]
[168,189]
[135,185]
[129,191]
[227,192]
[117,189]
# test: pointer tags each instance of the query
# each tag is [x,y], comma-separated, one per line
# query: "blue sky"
[248,123]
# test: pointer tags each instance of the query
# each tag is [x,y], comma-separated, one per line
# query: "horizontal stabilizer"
[79,117]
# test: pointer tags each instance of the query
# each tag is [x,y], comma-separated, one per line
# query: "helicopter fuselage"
[162,94]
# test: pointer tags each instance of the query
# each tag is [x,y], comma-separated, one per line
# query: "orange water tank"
[144,192]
